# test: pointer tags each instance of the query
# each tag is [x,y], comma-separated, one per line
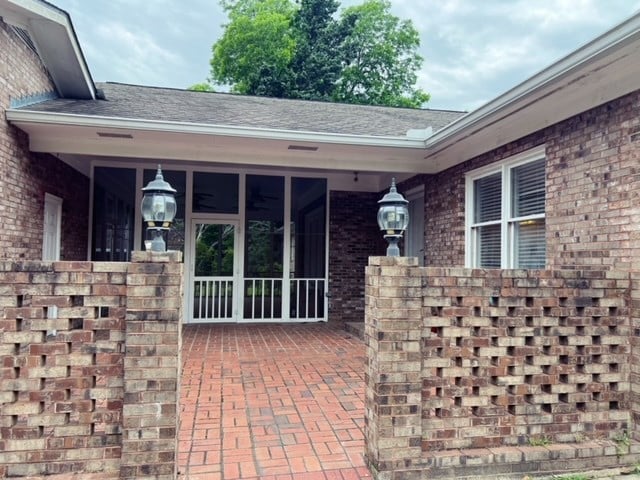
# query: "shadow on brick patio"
[272,402]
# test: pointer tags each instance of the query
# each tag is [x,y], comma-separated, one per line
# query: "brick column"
[393,327]
[152,365]
[634,358]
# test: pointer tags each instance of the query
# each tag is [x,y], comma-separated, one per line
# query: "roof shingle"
[224,109]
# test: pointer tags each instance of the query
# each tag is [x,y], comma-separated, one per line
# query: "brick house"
[277,198]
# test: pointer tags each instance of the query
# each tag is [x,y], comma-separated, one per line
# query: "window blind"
[488,198]
[530,244]
[528,189]
[489,246]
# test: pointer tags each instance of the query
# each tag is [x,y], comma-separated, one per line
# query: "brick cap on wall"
[393,261]
[140,256]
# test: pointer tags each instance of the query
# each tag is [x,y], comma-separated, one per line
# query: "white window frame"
[507,222]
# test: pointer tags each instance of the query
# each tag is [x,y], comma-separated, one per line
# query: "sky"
[474,50]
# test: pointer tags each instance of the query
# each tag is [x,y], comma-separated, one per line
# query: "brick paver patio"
[272,402]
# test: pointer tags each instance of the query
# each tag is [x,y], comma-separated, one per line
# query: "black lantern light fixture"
[393,218]
[158,210]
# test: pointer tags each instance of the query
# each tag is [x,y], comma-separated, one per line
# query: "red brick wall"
[25,177]
[593,186]
[473,372]
[593,176]
[353,237]
[89,368]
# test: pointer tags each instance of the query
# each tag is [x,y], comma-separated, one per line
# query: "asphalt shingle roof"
[166,104]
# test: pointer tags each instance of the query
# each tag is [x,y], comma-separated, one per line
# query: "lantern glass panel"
[393,217]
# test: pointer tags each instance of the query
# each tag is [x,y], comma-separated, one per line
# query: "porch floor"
[272,402]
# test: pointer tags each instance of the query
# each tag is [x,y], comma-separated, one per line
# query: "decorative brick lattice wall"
[472,372]
[89,368]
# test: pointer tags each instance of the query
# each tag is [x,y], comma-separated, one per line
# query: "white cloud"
[474,50]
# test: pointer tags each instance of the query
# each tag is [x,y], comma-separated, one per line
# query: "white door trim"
[52,228]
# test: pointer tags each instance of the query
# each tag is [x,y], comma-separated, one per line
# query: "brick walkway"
[280,402]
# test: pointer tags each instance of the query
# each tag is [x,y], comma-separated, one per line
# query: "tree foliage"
[201,87]
[382,58]
[256,48]
[305,49]
[317,61]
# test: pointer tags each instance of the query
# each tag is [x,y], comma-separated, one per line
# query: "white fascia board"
[40,9]
[132,125]
[616,38]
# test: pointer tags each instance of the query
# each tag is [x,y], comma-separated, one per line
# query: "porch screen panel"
[215,192]
[178,180]
[308,247]
[114,194]
[213,285]
[264,247]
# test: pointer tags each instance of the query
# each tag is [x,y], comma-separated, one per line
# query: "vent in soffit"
[25,37]
[114,135]
[304,148]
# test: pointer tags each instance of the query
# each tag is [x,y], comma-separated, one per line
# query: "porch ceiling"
[194,144]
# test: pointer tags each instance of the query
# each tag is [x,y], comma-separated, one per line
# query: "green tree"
[255,51]
[201,87]
[383,58]
[318,59]
[304,50]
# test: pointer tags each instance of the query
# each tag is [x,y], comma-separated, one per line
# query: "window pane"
[488,198]
[215,192]
[489,246]
[265,226]
[178,180]
[530,244]
[308,233]
[114,194]
[528,189]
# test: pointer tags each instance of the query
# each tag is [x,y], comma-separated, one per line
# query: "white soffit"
[60,134]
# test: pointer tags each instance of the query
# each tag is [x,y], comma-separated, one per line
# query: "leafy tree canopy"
[256,48]
[201,87]
[382,59]
[304,49]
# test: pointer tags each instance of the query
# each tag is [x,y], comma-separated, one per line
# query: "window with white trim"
[505,219]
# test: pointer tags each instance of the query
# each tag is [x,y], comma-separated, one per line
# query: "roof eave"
[18,116]
[540,84]
[55,39]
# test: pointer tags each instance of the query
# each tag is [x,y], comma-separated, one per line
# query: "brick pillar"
[152,365]
[634,358]
[393,327]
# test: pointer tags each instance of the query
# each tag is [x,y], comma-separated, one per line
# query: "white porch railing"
[307,298]
[213,298]
[262,298]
